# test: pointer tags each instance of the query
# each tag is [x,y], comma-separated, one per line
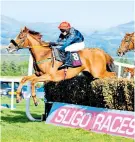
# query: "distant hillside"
[109,39]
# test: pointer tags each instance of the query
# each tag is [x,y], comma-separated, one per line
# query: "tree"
[13,68]
[4,68]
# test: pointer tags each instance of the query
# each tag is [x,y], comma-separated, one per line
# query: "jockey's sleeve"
[69,40]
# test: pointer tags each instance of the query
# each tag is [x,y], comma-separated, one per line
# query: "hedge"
[110,93]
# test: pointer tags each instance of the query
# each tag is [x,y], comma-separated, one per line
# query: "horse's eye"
[21,36]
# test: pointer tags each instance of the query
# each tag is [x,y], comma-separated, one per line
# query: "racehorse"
[129,70]
[46,69]
[127,44]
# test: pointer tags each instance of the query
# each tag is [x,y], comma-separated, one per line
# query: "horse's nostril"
[118,53]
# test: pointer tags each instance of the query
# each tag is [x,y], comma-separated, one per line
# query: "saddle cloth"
[60,56]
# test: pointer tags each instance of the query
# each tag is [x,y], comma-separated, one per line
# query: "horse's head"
[126,44]
[22,40]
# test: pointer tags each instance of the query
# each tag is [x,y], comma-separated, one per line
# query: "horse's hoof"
[36,104]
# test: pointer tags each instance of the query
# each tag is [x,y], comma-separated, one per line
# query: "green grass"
[17,128]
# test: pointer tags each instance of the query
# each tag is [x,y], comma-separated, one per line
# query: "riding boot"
[67,62]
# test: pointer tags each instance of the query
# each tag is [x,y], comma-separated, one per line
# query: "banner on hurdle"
[100,120]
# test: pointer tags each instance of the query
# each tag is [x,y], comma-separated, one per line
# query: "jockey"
[69,40]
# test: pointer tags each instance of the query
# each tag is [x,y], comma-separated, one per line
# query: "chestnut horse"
[127,44]
[93,60]
[129,70]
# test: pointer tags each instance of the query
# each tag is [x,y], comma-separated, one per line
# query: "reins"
[41,46]
[52,58]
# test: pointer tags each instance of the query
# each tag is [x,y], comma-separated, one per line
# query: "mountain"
[109,39]
[10,28]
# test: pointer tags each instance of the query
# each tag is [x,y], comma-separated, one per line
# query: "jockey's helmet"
[64,25]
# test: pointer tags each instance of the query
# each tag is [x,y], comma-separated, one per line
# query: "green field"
[17,128]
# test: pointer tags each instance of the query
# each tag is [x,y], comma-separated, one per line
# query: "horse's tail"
[110,65]
[109,59]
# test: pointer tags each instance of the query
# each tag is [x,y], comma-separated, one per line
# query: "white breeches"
[75,47]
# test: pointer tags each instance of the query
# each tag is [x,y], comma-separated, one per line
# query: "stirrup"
[63,66]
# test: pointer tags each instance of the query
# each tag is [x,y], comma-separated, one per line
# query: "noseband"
[18,44]
[14,43]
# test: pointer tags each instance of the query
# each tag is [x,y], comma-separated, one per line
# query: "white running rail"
[12,88]
[122,65]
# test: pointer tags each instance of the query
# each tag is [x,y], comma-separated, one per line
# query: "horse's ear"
[128,34]
[25,29]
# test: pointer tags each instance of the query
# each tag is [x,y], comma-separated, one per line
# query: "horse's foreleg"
[43,78]
[22,82]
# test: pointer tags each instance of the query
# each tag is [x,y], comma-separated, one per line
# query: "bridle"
[22,41]
[19,45]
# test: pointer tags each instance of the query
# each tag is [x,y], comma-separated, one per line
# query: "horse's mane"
[45,44]
[34,32]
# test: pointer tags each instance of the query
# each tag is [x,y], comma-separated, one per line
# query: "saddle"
[60,56]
